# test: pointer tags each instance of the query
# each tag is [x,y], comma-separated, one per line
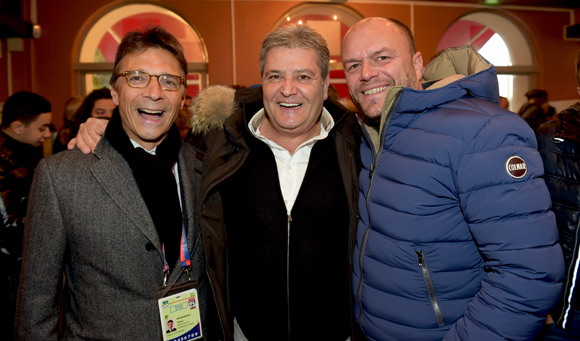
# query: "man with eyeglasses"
[120,223]
[278,197]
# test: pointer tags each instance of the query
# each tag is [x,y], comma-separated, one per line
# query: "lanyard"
[184,251]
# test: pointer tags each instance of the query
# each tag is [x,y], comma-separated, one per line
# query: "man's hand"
[89,135]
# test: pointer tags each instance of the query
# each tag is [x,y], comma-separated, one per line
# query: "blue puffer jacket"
[453,243]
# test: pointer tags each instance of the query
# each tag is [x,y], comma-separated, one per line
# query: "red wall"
[46,65]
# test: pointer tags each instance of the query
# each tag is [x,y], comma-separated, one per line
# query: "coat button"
[149,247]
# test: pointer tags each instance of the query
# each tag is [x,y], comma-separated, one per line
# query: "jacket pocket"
[430,287]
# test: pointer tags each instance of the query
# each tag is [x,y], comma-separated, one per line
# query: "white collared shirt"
[291,168]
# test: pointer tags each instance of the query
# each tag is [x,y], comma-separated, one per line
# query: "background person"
[536,111]
[504,103]
[63,135]
[559,146]
[25,121]
[98,104]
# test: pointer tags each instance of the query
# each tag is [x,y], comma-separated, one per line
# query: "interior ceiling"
[535,3]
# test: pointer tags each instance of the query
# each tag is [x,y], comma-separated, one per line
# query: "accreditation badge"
[180,316]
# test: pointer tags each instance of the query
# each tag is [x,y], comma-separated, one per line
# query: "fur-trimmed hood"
[211,108]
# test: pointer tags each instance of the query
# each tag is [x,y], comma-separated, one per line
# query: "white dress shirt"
[291,169]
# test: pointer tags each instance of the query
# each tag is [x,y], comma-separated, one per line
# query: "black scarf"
[156,182]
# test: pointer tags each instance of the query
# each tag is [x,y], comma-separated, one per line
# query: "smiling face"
[36,131]
[294,90]
[376,56]
[103,108]
[148,113]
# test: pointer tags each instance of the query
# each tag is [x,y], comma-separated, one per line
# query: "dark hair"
[25,107]
[297,36]
[537,93]
[148,37]
[70,108]
[84,111]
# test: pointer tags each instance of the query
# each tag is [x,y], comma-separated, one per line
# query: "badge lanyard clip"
[165,275]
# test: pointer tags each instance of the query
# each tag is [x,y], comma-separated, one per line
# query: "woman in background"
[98,104]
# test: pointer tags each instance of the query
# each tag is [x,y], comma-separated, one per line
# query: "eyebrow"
[307,71]
[294,72]
[373,55]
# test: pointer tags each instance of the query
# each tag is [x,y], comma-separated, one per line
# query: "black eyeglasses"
[140,79]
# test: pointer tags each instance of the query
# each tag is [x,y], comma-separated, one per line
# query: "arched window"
[332,21]
[503,44]
[97,52]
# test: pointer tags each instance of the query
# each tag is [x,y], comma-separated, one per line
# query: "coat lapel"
[115,177]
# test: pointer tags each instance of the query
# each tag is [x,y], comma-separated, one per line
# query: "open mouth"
[150,114]
[375,90]
[291,105]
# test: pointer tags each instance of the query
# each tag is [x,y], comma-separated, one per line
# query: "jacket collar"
[569,124]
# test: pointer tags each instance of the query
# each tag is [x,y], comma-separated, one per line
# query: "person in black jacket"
[559,145]
[25,120]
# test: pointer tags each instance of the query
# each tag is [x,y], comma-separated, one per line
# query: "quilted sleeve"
[506,203]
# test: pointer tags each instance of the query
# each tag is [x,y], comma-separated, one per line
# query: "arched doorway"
[97,52]
[332,21]
[503,44]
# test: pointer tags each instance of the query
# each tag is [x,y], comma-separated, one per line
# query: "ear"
[115,95]
[182,99]
[326,85]
[17,127]
[418,66]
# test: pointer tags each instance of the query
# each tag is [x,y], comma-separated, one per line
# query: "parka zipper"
[288,274]
[430,287]
[371,176]
[568,290]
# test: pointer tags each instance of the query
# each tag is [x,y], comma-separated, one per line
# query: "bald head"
[375,24]
[377,54]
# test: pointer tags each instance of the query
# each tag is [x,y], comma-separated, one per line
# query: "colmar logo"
[516,167]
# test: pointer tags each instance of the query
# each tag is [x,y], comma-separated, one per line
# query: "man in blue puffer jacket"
[456,239]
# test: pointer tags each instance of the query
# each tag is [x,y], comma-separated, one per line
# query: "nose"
[288,87]
[46,133]
[153,90]
[367,71]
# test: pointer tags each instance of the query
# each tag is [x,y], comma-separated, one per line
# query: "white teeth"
[375,90]
[290,105]
[151,112]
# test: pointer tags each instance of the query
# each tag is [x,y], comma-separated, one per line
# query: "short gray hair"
[297,36]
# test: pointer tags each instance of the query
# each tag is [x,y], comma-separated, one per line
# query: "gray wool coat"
[87,219]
